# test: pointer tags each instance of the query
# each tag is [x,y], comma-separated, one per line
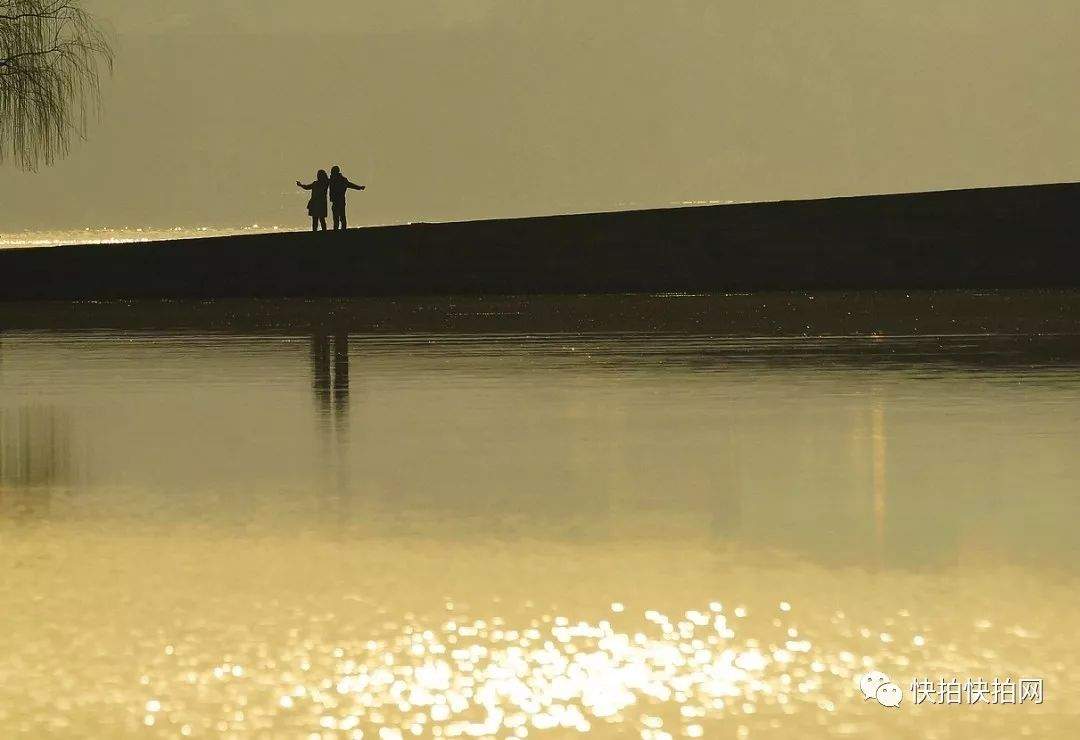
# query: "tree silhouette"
[51,56]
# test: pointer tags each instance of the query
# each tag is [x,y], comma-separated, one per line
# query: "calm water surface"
[306,530]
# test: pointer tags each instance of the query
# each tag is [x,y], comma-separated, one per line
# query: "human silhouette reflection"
[330,383]
[341,375]
[330,373]
[320,371]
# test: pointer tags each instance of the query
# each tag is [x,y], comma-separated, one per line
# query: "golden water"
[211,534]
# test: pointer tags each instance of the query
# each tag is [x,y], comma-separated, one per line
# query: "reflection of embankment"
[35,458]
[871,314]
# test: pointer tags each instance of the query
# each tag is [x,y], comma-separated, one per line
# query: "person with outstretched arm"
[339,185]
[316,206]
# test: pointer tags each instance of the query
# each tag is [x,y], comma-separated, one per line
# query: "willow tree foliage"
[52,53]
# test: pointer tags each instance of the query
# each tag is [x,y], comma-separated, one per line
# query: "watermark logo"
[977,691]
[877,686]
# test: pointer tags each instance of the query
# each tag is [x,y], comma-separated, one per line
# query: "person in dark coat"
[316,207]
[339,184]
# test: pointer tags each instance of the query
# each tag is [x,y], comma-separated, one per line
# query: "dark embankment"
[1022,236]
[1027,313]
[1027,329]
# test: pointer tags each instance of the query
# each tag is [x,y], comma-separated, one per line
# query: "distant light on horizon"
[125,235]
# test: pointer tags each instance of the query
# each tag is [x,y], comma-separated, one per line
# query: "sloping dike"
[1022,236]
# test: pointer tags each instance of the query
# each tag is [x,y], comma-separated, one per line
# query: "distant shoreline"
[87,236]
[1009,237]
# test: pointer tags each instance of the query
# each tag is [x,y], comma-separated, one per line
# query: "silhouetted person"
[316,207]
[339,184]
[341,370]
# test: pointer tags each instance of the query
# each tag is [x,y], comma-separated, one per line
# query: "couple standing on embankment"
[336,185]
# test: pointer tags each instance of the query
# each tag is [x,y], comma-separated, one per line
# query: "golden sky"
[480,108]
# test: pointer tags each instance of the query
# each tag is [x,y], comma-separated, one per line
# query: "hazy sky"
[477,108]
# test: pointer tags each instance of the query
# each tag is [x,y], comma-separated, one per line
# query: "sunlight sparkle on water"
[485,677]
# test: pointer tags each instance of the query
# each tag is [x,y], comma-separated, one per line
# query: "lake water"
[522,517]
